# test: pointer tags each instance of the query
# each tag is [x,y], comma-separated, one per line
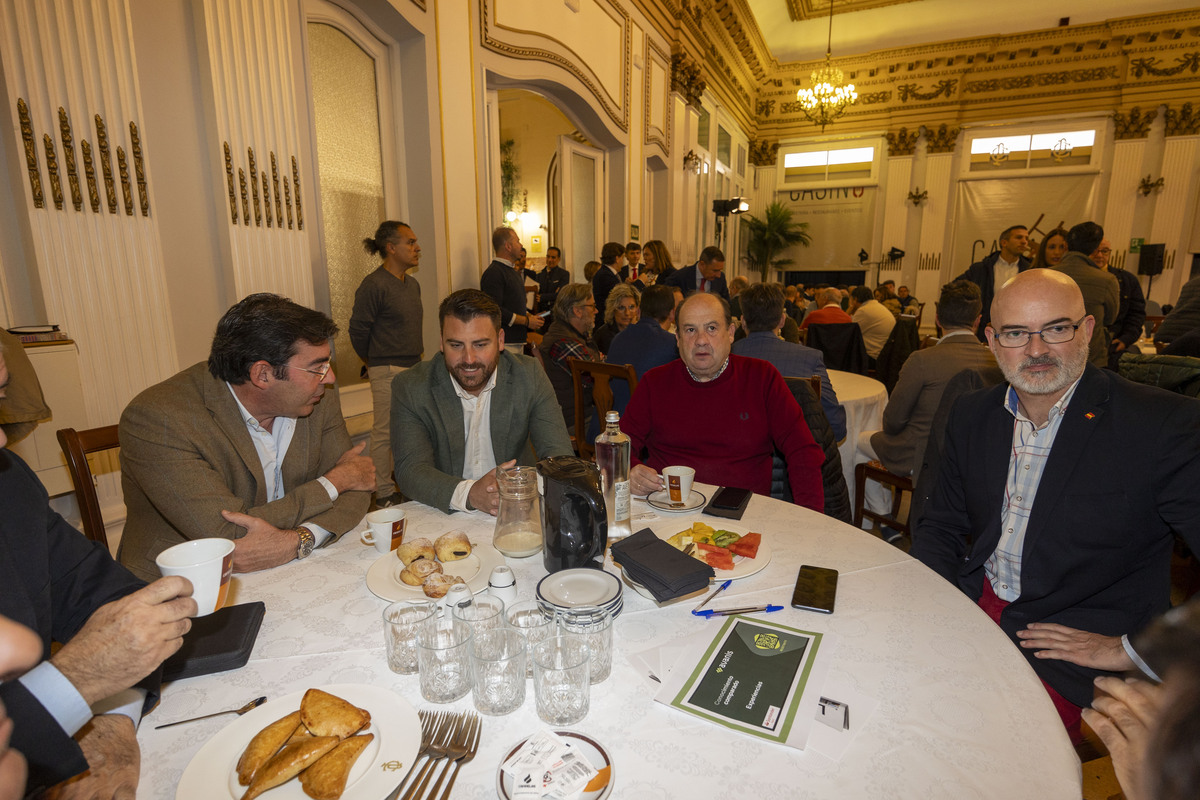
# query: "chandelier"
[828,98]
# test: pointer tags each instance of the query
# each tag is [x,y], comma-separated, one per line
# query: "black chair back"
[842,344]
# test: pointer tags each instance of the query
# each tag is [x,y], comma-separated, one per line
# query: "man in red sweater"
[721,414]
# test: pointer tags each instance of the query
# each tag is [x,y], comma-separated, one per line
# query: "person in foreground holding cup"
[721,414]
[248,447]
[78,710]
[471,407]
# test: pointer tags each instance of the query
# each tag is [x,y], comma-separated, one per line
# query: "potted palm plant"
[772,235]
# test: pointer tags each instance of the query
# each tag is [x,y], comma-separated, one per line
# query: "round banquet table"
[864,399]
[960,713]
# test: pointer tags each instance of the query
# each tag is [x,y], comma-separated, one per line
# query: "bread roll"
[415,549]
[437,584]
[416,572]
[452,546]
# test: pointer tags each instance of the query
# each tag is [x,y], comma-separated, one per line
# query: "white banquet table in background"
[960,714]
[864,399]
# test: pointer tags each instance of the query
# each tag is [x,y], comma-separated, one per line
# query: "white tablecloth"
[961,714]
[864,399]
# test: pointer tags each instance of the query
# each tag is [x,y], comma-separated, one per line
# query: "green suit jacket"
[186,456]
[428,437]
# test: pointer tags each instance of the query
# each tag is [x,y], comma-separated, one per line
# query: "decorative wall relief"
[1133,124]
[941,140]
[52,170]
[89,171]
[110,189]
[296,182]
[126,186]
[1184,121]
[910,91]
[1042,79]
[874,98]
[31,159]
[229,183]
[68,142]
[139,168]
[763,153]
[245,200]
[765,108]
[267,197]
[278,196]
[287,194]
[902,142]
[1145,66]
[254,186]
[687,78]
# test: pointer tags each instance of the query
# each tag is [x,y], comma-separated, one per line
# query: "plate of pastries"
[423,567]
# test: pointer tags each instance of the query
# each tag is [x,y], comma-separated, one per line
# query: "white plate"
[662,501]
[383,577]
[212,772]
[742,567]
[588,747]
[579,587]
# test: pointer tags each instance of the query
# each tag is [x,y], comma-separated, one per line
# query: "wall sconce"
[691,162]
[895,254]
[863,255]
[1147,186]
[917,196]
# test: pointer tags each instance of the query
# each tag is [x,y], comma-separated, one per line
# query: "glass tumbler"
[401,621]
[485,613]
[444,660]
[561,684]
[498,668]
[593,625]
[527,618]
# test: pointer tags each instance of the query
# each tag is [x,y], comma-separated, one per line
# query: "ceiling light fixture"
[828,98]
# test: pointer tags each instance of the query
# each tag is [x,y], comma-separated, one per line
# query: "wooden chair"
[76,445]
[875,471]
[1153,321]
[602,396]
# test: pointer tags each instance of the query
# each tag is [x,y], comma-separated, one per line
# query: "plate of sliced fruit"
[732,551]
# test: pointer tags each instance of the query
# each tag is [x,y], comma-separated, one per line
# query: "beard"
[1067,369]
[470,381]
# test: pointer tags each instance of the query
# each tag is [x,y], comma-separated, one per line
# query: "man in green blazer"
[471,408]
[248,446]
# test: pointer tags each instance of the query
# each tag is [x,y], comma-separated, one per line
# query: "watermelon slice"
[747,546]
[716,557]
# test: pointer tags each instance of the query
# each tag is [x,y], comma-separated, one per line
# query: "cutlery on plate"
[430,722]
[255,703]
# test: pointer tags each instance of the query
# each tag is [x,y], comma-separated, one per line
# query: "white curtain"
[840,221]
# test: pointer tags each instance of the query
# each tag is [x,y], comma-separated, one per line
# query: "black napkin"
[218,642]
[658,566]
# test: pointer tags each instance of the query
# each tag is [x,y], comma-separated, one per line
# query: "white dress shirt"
[478,457]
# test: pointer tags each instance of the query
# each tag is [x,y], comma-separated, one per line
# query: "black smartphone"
[816,589]
[730,498]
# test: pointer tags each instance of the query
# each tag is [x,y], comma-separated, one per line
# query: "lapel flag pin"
[1089,415]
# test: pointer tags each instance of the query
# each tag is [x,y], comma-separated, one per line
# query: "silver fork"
[430,722]
[457,749]
[471,748]
[437,750]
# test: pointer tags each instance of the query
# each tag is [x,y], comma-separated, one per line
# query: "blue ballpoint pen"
[725,612]
[708,599]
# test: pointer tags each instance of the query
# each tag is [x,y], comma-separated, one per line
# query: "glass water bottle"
[612,456]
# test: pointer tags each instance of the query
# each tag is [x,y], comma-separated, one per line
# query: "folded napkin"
[658,566]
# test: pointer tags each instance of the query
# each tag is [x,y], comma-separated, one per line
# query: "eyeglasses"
[1105,251]
[322,372]
[1051,334]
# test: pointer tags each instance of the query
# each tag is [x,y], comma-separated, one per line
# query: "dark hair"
[467,304]
[388,231]
[632,246]
[555,249]
[500,236]
[1085,238]
[690,297]
[711,254]
[611,252]
[888,282]
[658,302]
[590,269]
[1039,259]
[264,327]
[762,306]
[862,294]
[959,305]
[662,258]
[1007,232]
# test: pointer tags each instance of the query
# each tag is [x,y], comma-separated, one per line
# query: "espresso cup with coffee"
[385,529]
[679,483]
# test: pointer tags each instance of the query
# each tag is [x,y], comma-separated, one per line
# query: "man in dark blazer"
[612,259]
[505,284]
[763,315]
[990,272]
[706,275]
[646,344]
[115,632]
[469,409]
[1059,493]
[248,447]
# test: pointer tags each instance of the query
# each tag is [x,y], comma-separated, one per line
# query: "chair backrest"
[902,342]
[75,446]
[842,345]
[1152,322]
[833,481]
[601,394]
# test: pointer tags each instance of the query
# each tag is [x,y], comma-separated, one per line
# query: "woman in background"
[620,311]
[1051,250]
[656,259]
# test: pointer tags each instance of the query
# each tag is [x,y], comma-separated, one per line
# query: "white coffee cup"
[207,563]
[385,529]
[679,483]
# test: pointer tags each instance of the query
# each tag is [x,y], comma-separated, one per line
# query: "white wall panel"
[896,204]
[1122,192]
[1173,208]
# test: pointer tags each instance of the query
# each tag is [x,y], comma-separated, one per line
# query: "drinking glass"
[593,625]
[561,685]
[444,660]
[527,618]
[498,669]
[486,613]
[401,621]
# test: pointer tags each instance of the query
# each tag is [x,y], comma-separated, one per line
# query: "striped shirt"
[1030,449]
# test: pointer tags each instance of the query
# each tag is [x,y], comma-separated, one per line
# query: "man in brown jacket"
[1101,292]
[248,446]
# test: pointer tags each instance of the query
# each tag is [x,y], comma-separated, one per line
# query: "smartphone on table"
[816,589]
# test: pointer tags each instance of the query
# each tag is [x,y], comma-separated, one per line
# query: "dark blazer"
[52,580]
[427,425]
[602,283]
[186,455]
[506,286]
[1121,477]
[796,361]
[1132,313]
[549,282]
[983,274]
[685,279]
[645,345]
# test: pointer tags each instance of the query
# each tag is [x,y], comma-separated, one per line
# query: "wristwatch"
[307,543]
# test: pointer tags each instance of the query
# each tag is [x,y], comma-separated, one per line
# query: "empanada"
[326,779]
[327,715]
[288,763]
[265,744]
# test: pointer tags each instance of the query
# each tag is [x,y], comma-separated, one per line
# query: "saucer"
[662,501]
